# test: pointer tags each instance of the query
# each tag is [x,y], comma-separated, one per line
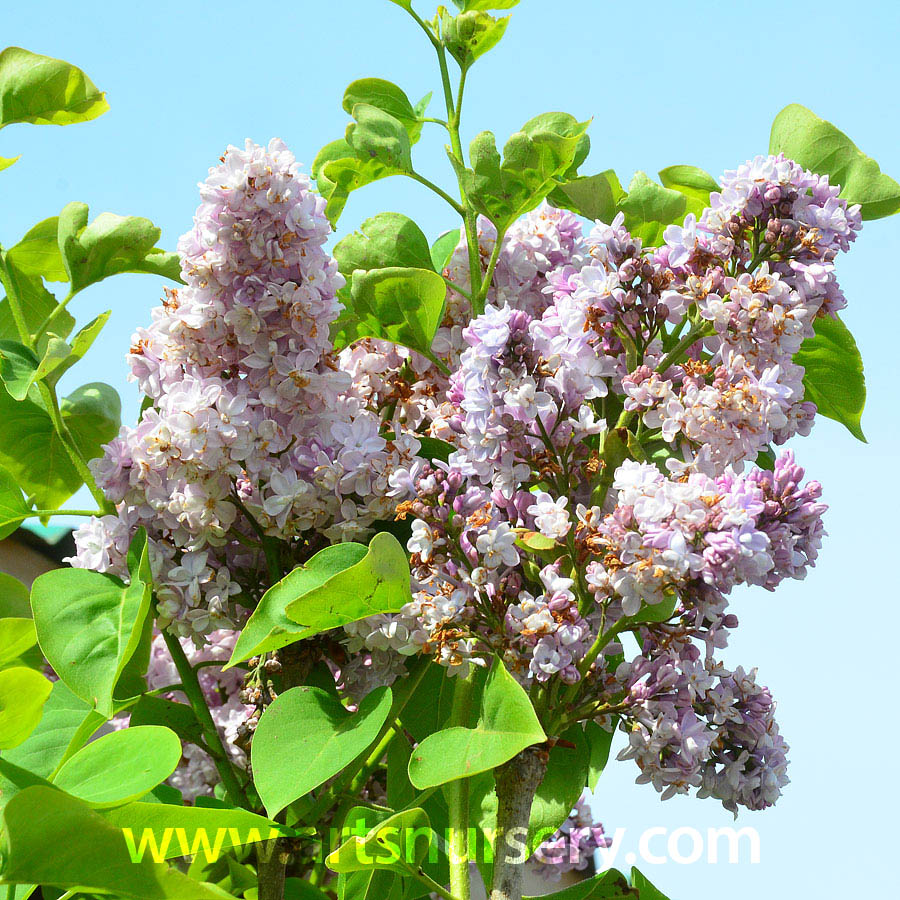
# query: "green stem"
[433,886]
[457,794]
[437,190]
[698,330]
[192,690]
[45,513]
[489,273]
[51,318]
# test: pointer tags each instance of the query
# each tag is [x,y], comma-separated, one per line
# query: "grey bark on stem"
[517,782]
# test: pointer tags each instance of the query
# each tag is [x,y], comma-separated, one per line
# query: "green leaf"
[89,625]
[339,172]
[380,136]
[593,196]
[37,304]
[609,885]
[646,890]
[65,726]
[18,366]
[110,245]
[373,884]
[120,766]
[649,208]
[471,34]
[59,356]
[801,135]
[442,249]
[385,240]
[190,828]
[378,583]
[403,305]
[466,5]
[600,741]
[55,839]
[563,783]
[13,598]
[152,710]
[16,636]
[23,692]
[434,448]
[399,843]
[289,762]
[45,91]
[387,97]
[430,707]
[7,161]
[13,508]
[37,254]
[694,183]
[34,453]
[834,378]
[507,724]
[534,158]
[269,628]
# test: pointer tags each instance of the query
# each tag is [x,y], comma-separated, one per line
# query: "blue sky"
[665,83]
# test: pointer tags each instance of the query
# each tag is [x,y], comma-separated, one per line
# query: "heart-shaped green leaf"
[188,830]
[109,245]
[387,97]
[13,508]
[592,196]
[401,305]
[834,378]
[16,636]
[37,304]
[339,172]
[153,710]
[269,628]
[600,741]
[289,761]
[399,843]
[45,91]
[694,183]
[472,33]
[442,249]
[55,839]
[34,453]
[18,368]
[23,692]
[13,598]
[37,253]
[89,625]
[385,240]
[67,723]
[649,208]
[120,766]
[378,583]
[801,135]
[507,724]
[379,136]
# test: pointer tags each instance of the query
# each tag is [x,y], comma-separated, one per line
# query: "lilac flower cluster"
[252,429]
[601,412]
[695,724]
[685,353]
